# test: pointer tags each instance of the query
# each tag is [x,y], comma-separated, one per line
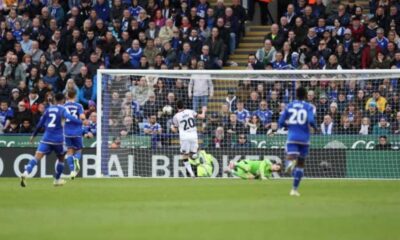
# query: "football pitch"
[199,209]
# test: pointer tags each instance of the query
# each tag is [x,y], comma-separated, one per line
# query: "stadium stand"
[44,44]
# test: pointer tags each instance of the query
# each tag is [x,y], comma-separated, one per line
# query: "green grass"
[191,209]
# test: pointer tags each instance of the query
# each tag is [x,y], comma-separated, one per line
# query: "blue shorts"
[296,149]
[48,148]
[74,142]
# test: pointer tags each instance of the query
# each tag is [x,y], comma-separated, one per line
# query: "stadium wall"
[326,163]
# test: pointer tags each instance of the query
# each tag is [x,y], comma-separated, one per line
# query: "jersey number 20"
[297,116]
[187,124]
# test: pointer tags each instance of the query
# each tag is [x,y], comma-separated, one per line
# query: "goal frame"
[102,72]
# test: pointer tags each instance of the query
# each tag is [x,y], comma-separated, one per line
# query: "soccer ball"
[167,110]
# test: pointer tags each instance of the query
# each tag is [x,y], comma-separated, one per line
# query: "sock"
[297,174]
[59,169]
[78,155]
[188,167]
[31,164]
[70,161]
[287,163]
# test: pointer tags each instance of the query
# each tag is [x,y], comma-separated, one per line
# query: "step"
[252,40]
[246,51]
[251,45]
[258,33]
[260,27]
[238,56]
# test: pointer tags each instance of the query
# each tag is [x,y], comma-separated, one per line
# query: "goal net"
[357,113]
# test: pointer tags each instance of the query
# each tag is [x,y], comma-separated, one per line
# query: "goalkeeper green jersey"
[256,168]
[203,164]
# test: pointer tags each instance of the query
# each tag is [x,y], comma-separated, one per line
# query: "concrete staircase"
[249,44]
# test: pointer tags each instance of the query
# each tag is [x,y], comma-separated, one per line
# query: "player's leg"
[298,172]
[185,151]
[70,154]
[239,172]
[292,152]
[74,154]
[60,152]
[42,150]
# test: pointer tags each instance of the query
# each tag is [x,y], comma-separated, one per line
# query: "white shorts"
[189,146]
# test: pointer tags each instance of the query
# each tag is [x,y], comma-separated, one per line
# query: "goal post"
[135,110]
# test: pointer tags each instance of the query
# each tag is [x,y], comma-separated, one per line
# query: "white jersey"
[186,122]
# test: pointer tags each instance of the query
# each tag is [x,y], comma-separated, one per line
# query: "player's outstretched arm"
[203,113]
[282,119]
[38,126]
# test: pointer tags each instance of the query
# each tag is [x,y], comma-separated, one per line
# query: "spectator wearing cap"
[32,101]
[373,114]
[231,100]
[334,114]
[347,41]
[357,29]
[379,100]
[382,128]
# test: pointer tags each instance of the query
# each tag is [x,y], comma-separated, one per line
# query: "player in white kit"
[185,121]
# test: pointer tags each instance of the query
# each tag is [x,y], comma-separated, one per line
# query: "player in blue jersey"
[73,133]
[297,117]
[52,140]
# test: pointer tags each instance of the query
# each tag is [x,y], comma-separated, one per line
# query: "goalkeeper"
[202,165]
[253,169]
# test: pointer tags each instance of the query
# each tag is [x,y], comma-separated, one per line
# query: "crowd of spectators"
[52,46]
[49,46]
